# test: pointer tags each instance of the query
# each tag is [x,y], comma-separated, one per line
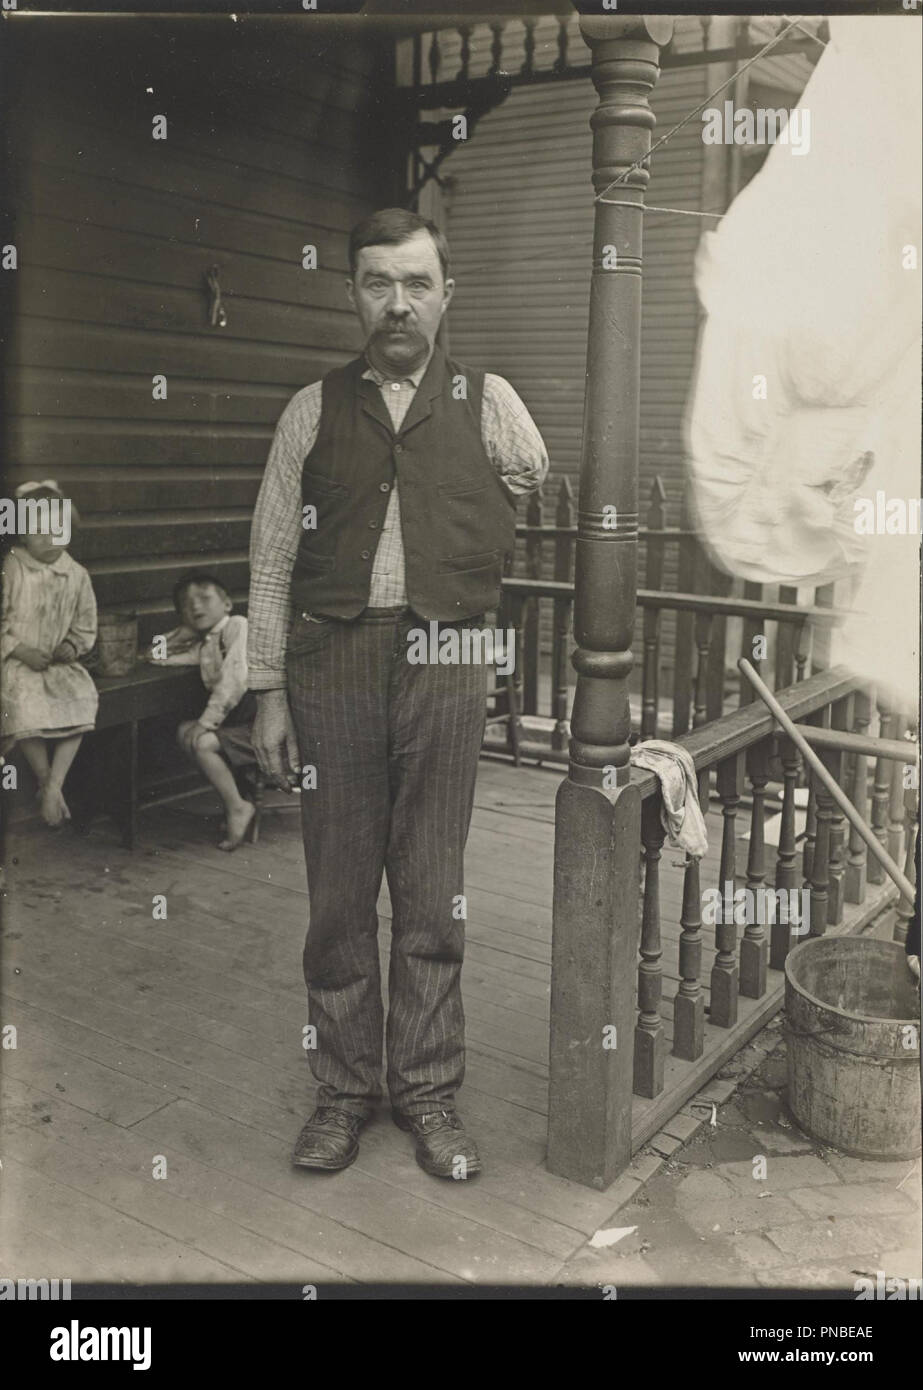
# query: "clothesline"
[601,197]
[645,207]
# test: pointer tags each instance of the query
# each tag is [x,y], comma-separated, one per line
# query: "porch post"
[598,812]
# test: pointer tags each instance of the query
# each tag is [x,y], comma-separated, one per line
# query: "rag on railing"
[680,812]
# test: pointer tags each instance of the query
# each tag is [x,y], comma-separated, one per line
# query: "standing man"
[388,498]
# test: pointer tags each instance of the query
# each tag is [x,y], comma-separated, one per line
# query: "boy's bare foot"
[53,806]
[240,824]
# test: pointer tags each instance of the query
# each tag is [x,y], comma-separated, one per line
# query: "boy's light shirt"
[224,673]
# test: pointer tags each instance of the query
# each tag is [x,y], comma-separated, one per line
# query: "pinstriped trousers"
[395,747]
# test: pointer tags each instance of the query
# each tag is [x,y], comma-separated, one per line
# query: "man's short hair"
[183,585]
[391,226]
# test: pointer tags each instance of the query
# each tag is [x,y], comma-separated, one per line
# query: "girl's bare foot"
[53,806]
[240,825]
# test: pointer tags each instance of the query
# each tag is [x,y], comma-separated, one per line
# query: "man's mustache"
[396,326]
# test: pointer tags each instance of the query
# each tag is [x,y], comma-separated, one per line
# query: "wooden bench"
[105,774]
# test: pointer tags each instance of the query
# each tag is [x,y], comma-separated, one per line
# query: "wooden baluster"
[881,795]
[464,31]
[802,649]
[563,607]
[650,687]
[532,613]
[691,563]
[810,828]
[560,63]
[688,1002]
[528,43]
[752,627]
[785,642]
[820,857]
[823,633]
[896,797]
[435,55]
[720,584]
[780,937]
[820,863]
[725,977]
[650,1040]
[496,46]
[835,761]
[857,858]
[904,908]
[514,681]
[702,642]
[754,948]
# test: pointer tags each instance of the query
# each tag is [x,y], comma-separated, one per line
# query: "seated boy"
[215,639]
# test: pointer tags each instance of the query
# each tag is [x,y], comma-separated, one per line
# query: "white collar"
[220,625]
[58,566]
[372,374]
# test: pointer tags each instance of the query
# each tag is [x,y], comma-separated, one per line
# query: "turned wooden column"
[598,811]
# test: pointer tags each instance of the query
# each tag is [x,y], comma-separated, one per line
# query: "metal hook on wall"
[217,315]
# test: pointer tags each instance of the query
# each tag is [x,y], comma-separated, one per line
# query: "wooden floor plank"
[183,1037]
[314,1235]
[129,1248]
[413,1225]
[247,1254]
[98,1087]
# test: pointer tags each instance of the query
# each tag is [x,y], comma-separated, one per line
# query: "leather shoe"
[329,1140]
[442,1146]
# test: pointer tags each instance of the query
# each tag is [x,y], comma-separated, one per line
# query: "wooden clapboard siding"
[520,222]
[275,140]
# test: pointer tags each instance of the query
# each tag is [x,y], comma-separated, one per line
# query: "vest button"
[384,487]
[366,554]
[373,525]
[398,448]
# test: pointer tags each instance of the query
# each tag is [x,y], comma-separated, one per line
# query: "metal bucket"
[853,1027]
[117,643]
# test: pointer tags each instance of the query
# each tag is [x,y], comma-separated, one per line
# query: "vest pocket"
[311,560]
[319,483]
[484,560]
[459,486]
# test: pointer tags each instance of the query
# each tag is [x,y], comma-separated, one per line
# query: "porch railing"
[749,768]
[695,648]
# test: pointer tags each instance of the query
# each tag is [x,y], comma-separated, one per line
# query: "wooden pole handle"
[839,796]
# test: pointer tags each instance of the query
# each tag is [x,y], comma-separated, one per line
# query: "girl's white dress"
[43,605]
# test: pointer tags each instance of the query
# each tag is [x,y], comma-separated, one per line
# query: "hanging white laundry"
[806,397]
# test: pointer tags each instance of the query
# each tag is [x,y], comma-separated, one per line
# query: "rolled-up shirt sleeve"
[511,438]
[274,538]
[232,684]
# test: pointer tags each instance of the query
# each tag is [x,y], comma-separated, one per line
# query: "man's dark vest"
[457,519]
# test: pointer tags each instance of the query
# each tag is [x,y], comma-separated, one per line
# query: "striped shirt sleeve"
[511,438]
[274,538]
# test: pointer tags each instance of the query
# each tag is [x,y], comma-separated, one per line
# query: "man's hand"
[274,739]
[65,653]
[32,657]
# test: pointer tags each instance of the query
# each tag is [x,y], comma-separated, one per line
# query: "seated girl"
[218,742]
[48,700]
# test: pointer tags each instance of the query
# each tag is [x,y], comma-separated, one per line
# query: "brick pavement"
[751,1202]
